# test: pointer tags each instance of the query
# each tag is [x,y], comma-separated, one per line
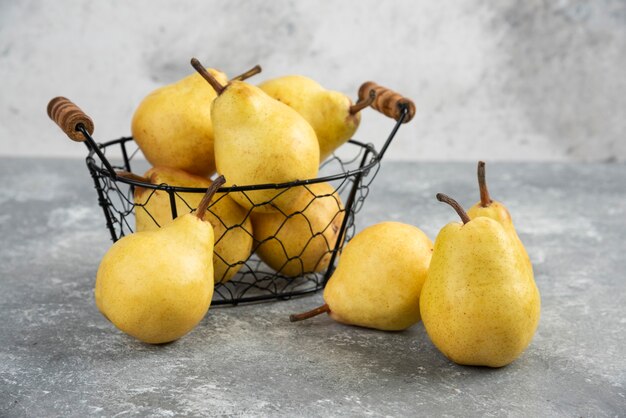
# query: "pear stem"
[309,314]
[252,71]
[207,76]
[131,176]
[208,196]
[455,205]
[485,199]
[362,104]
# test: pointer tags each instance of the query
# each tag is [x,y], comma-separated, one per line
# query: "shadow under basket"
[254,281]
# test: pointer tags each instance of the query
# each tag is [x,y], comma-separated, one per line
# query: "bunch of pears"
[277,132]
[473,288]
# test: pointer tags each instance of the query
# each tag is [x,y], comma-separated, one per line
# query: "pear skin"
[153,208]
[157,285]
[480,304]
[301,241]
[496,211]
[379,278]
[259,140]
[231,224]
[327,111]
[172,125]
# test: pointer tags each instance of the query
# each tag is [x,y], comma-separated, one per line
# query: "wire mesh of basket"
[257,256]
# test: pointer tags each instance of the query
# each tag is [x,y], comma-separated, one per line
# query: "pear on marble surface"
[480,304]
[157,285]
[379,278]
[496,211]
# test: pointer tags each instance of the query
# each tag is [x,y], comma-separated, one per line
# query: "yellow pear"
[231,223]
[172,125]
[301,241]
[331,114]
[480,305]
[259,140]
[157,285]
[496,211]
[379,278]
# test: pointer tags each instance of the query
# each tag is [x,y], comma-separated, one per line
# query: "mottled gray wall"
[491,79]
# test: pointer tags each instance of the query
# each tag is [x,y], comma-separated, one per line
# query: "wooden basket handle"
[387,101]
[68,116]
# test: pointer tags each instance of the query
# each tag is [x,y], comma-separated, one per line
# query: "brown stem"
[207,76]
[208,196]
[131,176]
[252,71]
[309,314]
[457,207]
[362,104]
[485,199]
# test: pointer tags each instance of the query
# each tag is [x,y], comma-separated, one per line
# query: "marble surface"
[524,80]
[60,357]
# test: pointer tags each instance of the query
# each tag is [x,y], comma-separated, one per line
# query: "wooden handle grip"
[68,116]
[387,101]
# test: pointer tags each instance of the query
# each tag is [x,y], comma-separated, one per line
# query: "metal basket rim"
[368,147]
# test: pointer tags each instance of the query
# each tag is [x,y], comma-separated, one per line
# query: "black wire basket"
[245,279]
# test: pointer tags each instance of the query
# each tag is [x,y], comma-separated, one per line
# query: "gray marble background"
[506,80]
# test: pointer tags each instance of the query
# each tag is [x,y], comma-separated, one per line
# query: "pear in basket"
[259,140]
[172,125]
[301,241]
[331,113]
